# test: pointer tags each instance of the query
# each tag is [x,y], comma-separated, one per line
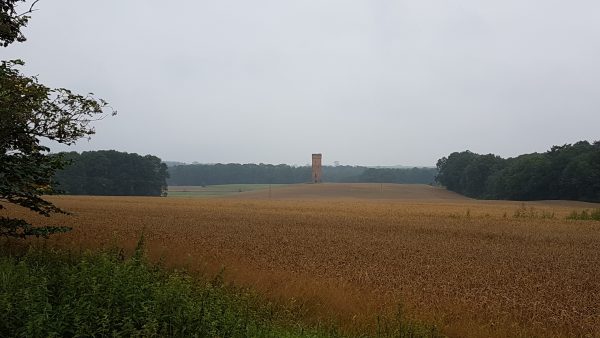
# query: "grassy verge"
[50,293]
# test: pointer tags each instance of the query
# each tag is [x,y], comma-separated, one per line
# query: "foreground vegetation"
[54,293]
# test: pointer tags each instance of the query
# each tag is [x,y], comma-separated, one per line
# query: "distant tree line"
[570,172]
[109,172]
[234,173]
[404,175]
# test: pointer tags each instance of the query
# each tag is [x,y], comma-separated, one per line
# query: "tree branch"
[31,10]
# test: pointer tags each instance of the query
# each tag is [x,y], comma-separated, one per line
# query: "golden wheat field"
[473,268]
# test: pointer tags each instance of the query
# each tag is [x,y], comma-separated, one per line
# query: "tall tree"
[30,112]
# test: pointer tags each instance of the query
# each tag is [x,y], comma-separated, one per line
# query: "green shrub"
[585,215]
[50,293]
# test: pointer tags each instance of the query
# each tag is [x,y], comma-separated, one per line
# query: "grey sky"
[364,82]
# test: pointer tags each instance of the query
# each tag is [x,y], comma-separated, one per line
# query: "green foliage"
[451,169]
[585,215]
[233,173]
[30,113]
[396,175]
[25,176]
[49,293]
[526,177]
[109,172]
[11,227]
[11,22]
[565,172]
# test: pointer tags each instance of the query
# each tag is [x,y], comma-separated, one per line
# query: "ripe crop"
[473,268]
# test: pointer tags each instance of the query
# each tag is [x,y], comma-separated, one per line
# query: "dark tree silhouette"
[29,113]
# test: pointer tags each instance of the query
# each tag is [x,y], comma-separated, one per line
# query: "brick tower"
[316,168]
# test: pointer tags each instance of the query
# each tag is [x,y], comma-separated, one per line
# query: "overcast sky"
[372,82]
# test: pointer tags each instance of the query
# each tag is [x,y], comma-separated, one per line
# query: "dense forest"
[394,175]
[570,172]
[233,173]
[109,172]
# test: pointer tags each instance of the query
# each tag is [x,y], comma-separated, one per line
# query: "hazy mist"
[363,82]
